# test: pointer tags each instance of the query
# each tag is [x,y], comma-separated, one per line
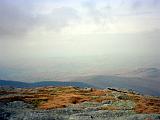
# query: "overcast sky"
[51,28]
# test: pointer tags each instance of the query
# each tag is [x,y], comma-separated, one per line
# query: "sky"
[32,30]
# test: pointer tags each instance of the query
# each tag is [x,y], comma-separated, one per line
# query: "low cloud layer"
[66,27]
[60,38]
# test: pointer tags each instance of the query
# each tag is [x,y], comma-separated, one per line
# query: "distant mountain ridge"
[143,80]
[153,73]
[141,85]
[18,84]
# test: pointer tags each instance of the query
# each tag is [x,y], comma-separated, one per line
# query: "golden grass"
[148,105]
[60,97]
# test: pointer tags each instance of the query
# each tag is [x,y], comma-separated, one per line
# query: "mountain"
[143,80]
[58,83]
[147,73]
[14,83]
[42,84]
[139,84]
[72,103]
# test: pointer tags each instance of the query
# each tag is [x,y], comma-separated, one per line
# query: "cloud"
[58,18]
[14,20]
[19,17]
[144,5]
[96,11]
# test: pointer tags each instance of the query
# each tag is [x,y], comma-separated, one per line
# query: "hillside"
[18,84]
[153,73]
[72,103]
[141,85]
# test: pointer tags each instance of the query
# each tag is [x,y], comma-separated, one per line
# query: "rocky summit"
[73,103]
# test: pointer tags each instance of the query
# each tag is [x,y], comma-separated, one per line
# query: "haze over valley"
[68,40]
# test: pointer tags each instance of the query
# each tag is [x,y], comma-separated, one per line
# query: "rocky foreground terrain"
[72,103]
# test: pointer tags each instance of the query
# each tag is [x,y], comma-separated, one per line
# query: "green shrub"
[36,102]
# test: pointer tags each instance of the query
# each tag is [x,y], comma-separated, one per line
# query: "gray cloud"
[18,18]
[15,20]
[58,18]
[93,11]
[145,4]
[99,14]
[107,10]
[136,4]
